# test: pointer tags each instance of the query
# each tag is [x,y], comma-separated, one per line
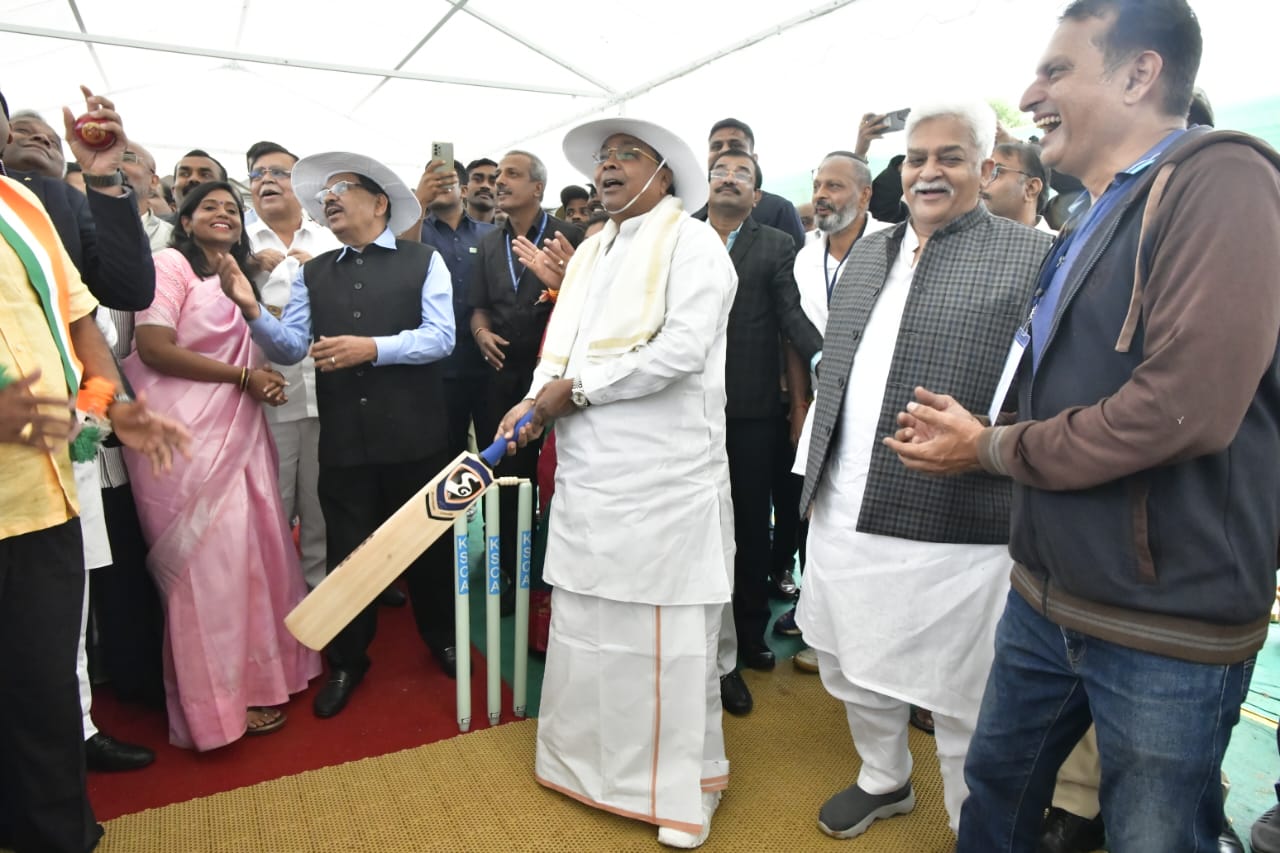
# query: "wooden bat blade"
[388,551]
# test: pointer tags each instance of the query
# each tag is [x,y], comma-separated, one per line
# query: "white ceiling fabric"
[810,70]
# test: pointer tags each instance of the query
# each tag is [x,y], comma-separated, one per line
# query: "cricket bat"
[389,550]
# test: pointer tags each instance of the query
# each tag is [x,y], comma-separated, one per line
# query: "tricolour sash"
[26,227]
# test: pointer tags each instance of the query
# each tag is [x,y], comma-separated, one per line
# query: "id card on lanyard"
[537,242]
[1021,340]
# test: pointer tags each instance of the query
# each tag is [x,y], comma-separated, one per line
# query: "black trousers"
[126,607]
[42,775]
[506,388]
[467,402]
[355,501]
[750,446]
[789,531]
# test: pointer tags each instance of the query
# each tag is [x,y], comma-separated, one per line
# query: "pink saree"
[219,547]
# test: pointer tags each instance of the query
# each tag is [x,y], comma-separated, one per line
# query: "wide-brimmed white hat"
[311,174]
[690,172]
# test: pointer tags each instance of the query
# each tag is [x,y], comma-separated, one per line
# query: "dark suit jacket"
[766,307]
[776,212]
[104,236]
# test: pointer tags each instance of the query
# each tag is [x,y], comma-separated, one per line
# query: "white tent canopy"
[387,77]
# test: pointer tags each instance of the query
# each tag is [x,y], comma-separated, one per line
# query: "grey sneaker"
[1265,837]
[850,812]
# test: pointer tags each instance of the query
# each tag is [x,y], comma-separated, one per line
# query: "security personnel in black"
[378,314]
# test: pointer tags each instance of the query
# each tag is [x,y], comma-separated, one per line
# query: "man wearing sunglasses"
[380,313]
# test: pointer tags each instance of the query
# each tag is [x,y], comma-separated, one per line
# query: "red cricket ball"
[93,134]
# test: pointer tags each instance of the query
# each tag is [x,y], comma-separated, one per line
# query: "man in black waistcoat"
[380,313]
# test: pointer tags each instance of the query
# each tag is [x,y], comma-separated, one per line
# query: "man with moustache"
[1142,455]
[730,134]
[765,309]
[920,560]
[633,373]
[195,168]
[508,319]
[284,239]
[1018,186]
[478,194]
[841,194]
[380,313]
[451,231]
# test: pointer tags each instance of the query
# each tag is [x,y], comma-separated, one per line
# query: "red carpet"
[404,701]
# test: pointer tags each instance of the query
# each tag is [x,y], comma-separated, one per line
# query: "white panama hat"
[310,174]
[690,172]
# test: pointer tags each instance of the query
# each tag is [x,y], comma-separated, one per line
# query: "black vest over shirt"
[368,414]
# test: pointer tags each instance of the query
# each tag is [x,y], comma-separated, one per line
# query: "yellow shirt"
[37,488]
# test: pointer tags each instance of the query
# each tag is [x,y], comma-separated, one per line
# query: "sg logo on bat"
[459,488]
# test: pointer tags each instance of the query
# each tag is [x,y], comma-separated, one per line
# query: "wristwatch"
[577,395]
[103,182]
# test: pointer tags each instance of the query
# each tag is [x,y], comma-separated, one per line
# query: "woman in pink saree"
[219,546]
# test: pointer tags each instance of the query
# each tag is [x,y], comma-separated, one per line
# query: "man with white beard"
[907,574]
[841,193]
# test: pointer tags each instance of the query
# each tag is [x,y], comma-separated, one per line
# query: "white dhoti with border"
[630,714]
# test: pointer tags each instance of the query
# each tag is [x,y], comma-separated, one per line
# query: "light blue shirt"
[286,341]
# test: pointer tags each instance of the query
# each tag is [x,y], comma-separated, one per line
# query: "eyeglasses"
[741,176]
[622,155]
[339,189]
[998,170]
[130,157]
[274,171]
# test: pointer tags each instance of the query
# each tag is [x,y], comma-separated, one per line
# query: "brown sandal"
[271,724]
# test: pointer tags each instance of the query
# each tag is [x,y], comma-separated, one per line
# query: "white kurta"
[642,507]
[640,552]
[812,280]
[911,620]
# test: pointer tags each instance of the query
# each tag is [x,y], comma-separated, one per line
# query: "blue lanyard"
[831,279]
[511,265]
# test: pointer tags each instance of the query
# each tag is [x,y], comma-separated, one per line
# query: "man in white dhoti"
[640,545]
[906,575]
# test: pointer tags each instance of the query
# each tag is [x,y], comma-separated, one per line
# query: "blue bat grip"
[494,452]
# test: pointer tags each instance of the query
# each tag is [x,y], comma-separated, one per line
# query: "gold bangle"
[244,378]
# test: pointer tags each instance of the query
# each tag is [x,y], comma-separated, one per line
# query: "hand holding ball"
[90,131]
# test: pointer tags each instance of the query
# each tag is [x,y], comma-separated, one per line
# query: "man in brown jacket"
[1146,497]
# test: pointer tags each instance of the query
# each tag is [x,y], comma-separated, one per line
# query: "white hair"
[979,116]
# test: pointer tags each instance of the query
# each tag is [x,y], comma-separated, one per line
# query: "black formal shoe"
[447,657]
[391,597]
[1228,841]
[758,655]
[782,586]
[1064,832]
[105,754]
[333,697]
[734,695]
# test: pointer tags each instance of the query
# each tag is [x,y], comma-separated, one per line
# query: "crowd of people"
[1012,403]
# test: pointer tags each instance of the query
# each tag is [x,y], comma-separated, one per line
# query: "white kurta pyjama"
[640,552]
[911,620]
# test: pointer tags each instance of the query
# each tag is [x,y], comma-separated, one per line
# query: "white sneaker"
[687,840]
